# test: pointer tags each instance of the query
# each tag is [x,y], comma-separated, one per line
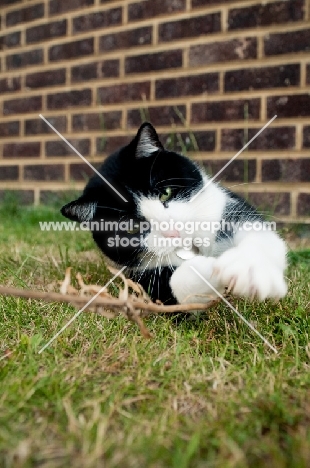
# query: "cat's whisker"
[146,169]
[170,263]
[145,268]
[133,263]
[154,275]
[241,183]
[140,264]
[142,258]
[111,208]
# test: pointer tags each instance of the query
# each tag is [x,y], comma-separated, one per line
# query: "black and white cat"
[168,225]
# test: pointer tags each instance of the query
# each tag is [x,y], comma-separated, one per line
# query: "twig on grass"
[134,306]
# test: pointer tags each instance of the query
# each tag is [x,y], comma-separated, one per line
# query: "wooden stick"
[113,303]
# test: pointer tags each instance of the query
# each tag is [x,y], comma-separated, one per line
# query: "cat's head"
[141,184]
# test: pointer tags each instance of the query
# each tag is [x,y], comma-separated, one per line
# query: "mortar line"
[84,159]
[233,158]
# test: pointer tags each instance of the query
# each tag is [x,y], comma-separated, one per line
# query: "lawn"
[204,392]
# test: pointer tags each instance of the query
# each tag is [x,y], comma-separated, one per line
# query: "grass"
[203,393]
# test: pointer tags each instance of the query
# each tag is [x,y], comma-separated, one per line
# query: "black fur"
[144,167]
[132,172]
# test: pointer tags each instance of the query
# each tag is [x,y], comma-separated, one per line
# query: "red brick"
[151,8]
[9,173]
[235,49]
[101,19]
[95,70]
[239,171]
[22,105]
[190,141]
[21,150]
[25,59]
[97,121]
[124,93]
[51,172]
[108,68]
[306,137]
[71,50]
[9,2]
[39,127]
[303,204]
[206,83]
[8,129]
[57,7]
[9,85]
[126,39]
[260,78]
[266,14]
[154,62]
[189,27]
[205,141]
[234,139]
[111,144]
[46,78]
[69,99]
[287,43]
[276,203]
[24,197]
[87,71]
[10,40]
[297,105]
[158,116]
[219,111]
[276,138]
[286,170]
[45,32]
[60,148]
[80,171]
[25,15]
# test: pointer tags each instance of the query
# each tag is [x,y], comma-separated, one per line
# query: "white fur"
[253,268]
[187,287]
[251,263]
[146,145]
[85,211]
[208,206]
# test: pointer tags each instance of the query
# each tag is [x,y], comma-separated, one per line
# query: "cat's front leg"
[254,267]
[186,285]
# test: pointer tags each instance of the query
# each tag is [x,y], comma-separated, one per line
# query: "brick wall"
[207,73]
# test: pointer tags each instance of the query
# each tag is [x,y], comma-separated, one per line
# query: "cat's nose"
[173,233]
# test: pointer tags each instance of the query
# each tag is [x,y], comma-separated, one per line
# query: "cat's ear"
[147,141]
[79,210]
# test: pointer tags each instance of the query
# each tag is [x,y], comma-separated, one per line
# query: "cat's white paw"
[250,275]
[188,287]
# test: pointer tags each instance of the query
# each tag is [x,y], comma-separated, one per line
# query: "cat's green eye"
[135,229]
[166,195]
